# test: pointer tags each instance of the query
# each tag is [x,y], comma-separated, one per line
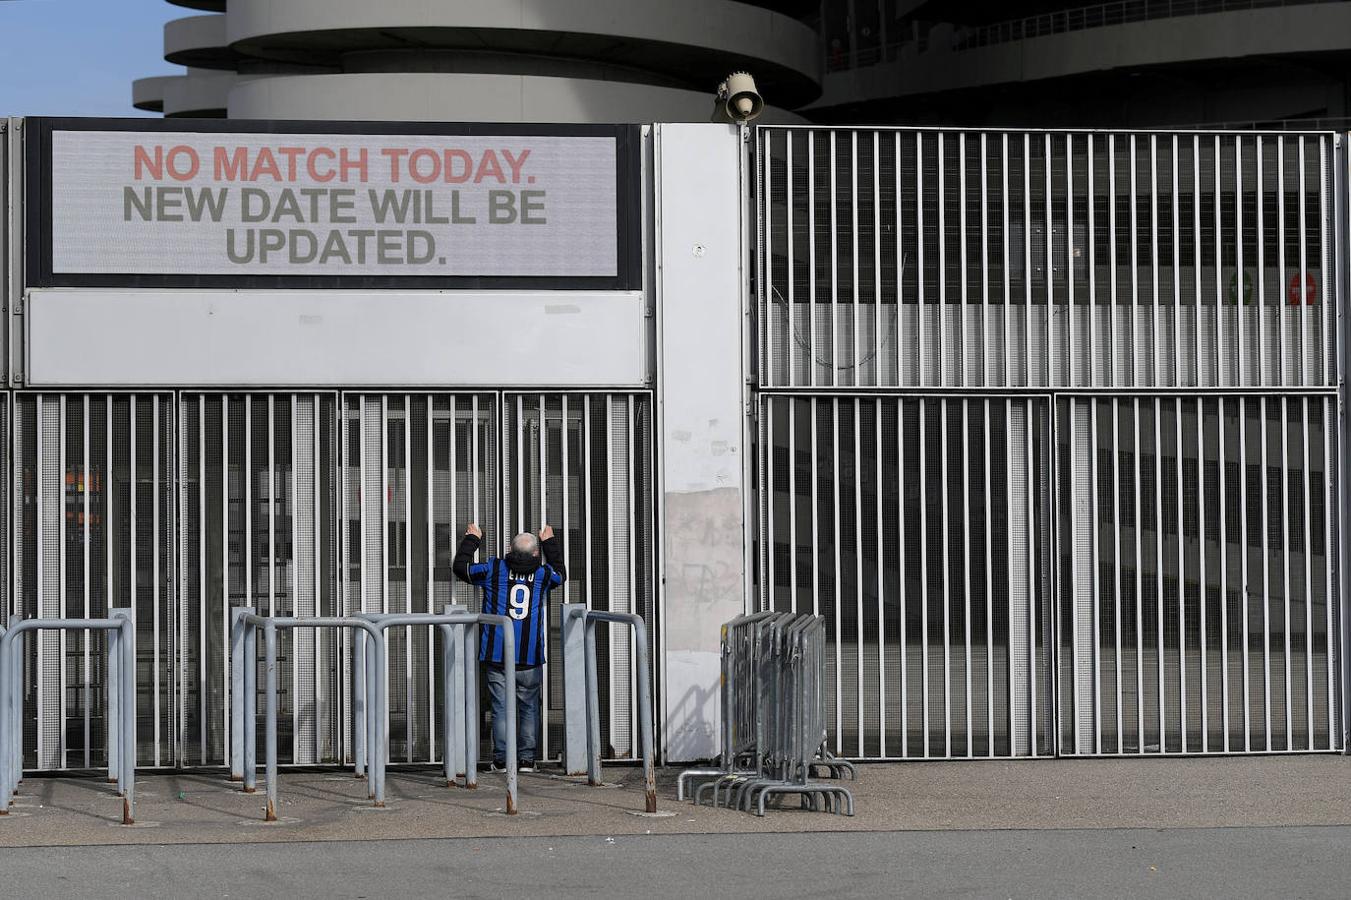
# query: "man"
[517,587]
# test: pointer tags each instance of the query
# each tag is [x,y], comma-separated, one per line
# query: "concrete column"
[701,377]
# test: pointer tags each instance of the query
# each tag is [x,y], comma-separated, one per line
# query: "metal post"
[112,718]
[645,717]
[574,688]
[448,657]
[473,721]
[127,644]
[237,663]
[592,708]
[360,690]
[6,733]
[463,657]
[250,724]
[270,686]
[16,706]
[374,703]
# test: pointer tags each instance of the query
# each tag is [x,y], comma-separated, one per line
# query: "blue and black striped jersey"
[522,598]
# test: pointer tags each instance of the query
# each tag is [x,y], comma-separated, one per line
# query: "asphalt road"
[1196,863]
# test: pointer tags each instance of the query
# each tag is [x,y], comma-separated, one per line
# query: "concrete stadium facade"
[1149,63]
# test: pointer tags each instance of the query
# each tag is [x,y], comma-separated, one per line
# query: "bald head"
[525,543]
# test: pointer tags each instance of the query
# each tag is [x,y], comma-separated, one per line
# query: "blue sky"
[79,57]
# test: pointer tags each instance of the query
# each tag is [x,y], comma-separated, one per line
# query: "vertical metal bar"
[1330,507]
[1182,587]
[1243,557]
[811,268]
[1093,342]
[1282,344]
[834,270]
[790,326]
[155,563]
[942,311]
[767,289]
[1220,379]
[1329,376]
[1308,582]
[947,569]
[88,612]
[816,526]
[1196,248]
[1285,563]
[1051,346]
[839,677]
[1203,580]
[1027,258]
[411,636]
[270,671]
[380,750]
[900,262]
[1238,253]
[248,502]
[1261,268]
[60,501]
[202,714]
[902,592]
[1266,579]
[1158,535]
[1112,376]
[792,502]
[923,479]
[1116,568]
[567,452]
[858,564]
[881,569]
[1156,378]
[432,633]
[989,593]
[919,253]
[984,273]
[1073,350]
[544,518]
[1095,574]
[857,365]
[228,680]
[1008,377]
[1177,277]
[1223,530]
[1303,272]
[1008,499]
[1139,595]
[960,340]
[1134,376]
[966,536]
[1032,600]
[132,480]
[586,471]
[769,537]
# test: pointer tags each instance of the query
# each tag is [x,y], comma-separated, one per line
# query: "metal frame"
[580,677]
[121,650]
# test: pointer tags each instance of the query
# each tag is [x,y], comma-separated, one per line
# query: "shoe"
[524,766]
[497,766]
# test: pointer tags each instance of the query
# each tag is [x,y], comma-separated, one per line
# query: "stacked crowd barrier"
[773,736]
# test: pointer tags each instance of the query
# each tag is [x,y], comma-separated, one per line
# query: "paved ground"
[1274,826]
[1198,863]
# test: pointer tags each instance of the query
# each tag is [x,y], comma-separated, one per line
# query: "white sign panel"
[191,203]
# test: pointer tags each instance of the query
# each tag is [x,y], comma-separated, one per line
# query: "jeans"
[528,682]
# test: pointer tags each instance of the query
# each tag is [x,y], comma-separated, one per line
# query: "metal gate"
[1144,299]
[94,522]
[312,503]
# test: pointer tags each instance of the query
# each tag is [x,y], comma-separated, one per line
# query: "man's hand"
[474,530]
[546,533]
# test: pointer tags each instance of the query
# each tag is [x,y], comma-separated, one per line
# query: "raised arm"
[552,548]
[464,555]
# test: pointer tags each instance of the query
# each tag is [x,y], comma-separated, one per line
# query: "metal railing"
[582,697]
[1100,15]
[460,634]
[774,727]
[121,667]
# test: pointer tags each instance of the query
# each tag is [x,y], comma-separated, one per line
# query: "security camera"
[738,99]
